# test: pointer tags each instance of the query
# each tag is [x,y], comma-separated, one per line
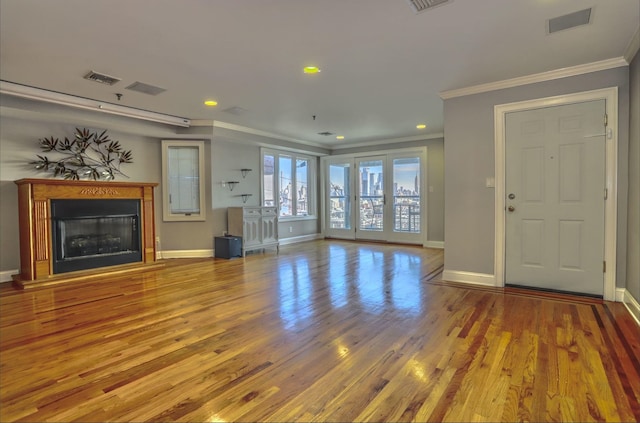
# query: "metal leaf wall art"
[88,155]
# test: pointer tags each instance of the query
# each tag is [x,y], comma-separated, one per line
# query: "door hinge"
[606,193]
[604,266]
[606,120]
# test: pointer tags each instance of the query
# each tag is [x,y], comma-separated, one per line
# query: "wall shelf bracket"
[231,184]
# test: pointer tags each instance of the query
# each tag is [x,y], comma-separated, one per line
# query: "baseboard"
[302,238]
[620,295]
[469,277]
[629,302]
[435,244]
[6,276]
[171,254]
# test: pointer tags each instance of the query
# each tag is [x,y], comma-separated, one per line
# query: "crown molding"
[390,141]
[536,77]
[252,131]
[632,47]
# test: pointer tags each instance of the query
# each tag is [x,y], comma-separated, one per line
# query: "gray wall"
[633,226]
[435,179]
[24,122]
[469,159]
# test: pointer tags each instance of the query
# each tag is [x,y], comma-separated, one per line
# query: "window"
[288,183]
[183,180]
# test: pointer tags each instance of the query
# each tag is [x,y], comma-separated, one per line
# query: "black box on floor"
[227,246]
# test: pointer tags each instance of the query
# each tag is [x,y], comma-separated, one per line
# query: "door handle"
[511,208]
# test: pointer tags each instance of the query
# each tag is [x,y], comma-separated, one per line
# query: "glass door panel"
[407,209]
[406,195]
[339,221]
[339,196]
[371,195]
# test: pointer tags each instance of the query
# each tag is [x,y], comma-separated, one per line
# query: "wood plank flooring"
[323,331]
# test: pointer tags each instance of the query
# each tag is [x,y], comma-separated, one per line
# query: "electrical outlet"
[290,229]
[224,233]
[158,239]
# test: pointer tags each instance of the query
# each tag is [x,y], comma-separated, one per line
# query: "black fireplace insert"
[87,234]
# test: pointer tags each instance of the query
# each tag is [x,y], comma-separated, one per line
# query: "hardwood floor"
[323,331]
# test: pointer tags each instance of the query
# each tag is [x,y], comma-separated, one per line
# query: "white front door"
[555,188]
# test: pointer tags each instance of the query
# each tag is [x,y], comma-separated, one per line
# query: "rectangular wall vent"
[141,87]
[419,6]
[571,20]
[101,78]
[235,110]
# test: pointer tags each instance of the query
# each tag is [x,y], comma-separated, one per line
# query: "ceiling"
[382,65]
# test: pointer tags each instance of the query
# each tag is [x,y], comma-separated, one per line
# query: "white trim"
[247,130]
[633,47]
[469,277]
[312,178]
[167,214]
[389,154]
[301,238]
[620,295]
[629,302]
[610,95]
[435,244]
[33,93]
[171,254]
[537,77]
[7,275]
[389,141]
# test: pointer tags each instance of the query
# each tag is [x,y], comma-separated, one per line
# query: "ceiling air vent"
[141,87]
[325,133]
[419,6]
[235,110]
[581,17]
[101,78]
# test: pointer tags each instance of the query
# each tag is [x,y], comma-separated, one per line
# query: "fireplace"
[94,233]
[78,230]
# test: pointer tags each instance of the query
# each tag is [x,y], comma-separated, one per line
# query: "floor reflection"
[406,288]
[295,291]
[374,280]
[338,288]
[370,279]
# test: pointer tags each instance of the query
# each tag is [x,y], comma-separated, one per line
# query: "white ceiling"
[382,64]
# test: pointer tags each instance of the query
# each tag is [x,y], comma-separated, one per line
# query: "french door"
[377,197]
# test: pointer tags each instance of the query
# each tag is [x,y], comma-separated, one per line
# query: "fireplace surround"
[71,230]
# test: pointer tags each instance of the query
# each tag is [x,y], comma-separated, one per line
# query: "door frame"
[610,95]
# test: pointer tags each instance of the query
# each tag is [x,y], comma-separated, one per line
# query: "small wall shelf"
[244,172]
[230,184]
[245,197]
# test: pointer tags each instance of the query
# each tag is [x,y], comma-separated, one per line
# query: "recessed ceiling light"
[340,137]
[311,69]
[421,126]
[211,103]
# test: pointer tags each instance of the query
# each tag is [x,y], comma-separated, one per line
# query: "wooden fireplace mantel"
[34,206]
